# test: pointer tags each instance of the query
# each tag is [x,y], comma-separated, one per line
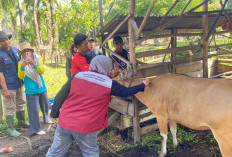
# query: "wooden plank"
[117,28]
[152,71]
[189,67]
[223,61]
[124,107]
[223,68]
[173,55]
[149,129]
[220,45]
[163,51]
[136,125]
[145,19]
[176,35]
[224,57]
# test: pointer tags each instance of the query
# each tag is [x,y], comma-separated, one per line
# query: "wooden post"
[205,28]
[145,19]
[173,55]
[136,126]
[1,109]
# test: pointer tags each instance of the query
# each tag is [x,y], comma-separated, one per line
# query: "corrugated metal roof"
[191,21]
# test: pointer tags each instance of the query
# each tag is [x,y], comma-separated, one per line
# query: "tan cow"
[196,103]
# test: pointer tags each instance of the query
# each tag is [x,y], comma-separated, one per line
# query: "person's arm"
[40,69]
[60,98]
[5,90]
[122,91]
[21,72]
[68,67]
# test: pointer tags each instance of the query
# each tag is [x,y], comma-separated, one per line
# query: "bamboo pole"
[185,6]
[136,126]
[117,28]
[173,55]
[205,27]
[118,56]
[216,20]
[145,19]
[168,50]
[162,27]
[176,35]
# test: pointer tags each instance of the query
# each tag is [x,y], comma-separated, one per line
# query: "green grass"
[54,79]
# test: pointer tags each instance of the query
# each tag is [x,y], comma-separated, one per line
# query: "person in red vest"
[79,62]
[82,107]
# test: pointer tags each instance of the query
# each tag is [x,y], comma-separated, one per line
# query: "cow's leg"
[162,123]
[224,139]
[173,130]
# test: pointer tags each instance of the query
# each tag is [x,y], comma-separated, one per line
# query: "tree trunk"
[48,23]
[6,20]
[14,22]
[55,34]
[35,24]
[101,13]
[22,23]
[39,26]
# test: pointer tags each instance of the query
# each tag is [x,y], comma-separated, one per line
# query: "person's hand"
[55,120]
[25,62]
[32,63]
[7,93]
[114,73]
[146,82]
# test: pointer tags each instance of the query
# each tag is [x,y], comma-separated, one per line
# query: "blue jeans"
[63,139]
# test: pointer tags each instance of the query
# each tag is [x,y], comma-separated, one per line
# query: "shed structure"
[189,24]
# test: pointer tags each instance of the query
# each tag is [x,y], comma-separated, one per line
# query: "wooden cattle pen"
[202,25]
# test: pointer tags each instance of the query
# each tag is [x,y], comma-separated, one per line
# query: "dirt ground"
[108,141]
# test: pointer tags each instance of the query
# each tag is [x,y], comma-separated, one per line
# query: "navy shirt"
[2,65]
[91,54]
[124,54]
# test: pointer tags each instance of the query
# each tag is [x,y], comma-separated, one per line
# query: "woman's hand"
[146,82]
[32,63]
[25,62]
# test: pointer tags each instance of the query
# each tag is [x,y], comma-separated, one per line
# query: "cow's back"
[193,102]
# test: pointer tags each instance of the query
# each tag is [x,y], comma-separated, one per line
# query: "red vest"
[86,108]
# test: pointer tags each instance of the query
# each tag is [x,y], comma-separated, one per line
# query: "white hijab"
[31,72]
[101,64]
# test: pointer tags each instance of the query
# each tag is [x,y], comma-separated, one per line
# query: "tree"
[22,23]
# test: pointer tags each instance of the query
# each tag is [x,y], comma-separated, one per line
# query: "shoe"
[11,130]
[41,133]
[21,119]
[49,121]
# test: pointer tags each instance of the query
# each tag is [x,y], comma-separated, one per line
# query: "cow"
[196,103]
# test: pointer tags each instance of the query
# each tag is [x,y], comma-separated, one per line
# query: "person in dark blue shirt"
[118,45]
[11,87]
[93,51]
